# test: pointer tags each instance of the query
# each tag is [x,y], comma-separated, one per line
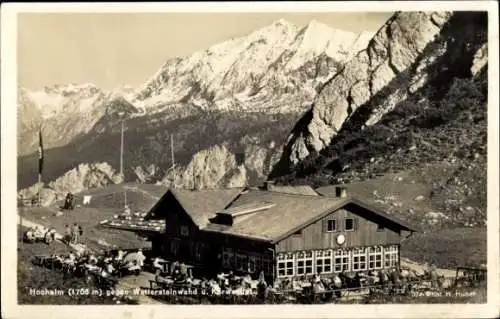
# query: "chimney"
[340,192]
[268,185]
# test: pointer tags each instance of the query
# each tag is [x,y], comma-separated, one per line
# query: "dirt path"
[132,282]
[135,188]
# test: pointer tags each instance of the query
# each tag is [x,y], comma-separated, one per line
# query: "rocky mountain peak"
[231,75]
[393,49]
[283,22]
[72,89]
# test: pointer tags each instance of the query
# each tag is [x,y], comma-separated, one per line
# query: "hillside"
[246,136]
[242,95]
[428,121]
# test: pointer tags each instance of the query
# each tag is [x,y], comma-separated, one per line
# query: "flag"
[40,153]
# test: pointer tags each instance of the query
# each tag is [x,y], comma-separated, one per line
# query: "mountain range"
[216,99]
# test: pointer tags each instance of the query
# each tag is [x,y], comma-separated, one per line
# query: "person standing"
[433,276]
[67,234]
[140,258]
[262,287]
[66,202]
[75,231]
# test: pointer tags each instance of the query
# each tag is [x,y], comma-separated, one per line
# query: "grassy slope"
[448,248]
[30,276]
[104,204]
[395,193]
[101,207]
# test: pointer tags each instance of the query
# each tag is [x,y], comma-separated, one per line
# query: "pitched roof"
[201,205]
[275,214]
[300,190]
[290,211]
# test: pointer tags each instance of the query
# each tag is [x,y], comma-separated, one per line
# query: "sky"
[116,49]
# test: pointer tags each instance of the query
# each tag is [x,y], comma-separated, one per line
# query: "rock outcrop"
[430,119]
[147,175]
[220,166]
[480,60]
[81,178]
[391,53]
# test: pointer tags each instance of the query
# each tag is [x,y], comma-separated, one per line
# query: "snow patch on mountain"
[274,69]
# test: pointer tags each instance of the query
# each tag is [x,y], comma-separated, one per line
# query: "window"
[227,258]
[341,260]
[267,264]
[174,247]
[374,257]
[331,225]
[380,227]
[199,250]
[359,259]
[349,224]
[285,265]
[323,262]
[241,261]
[184,231]
[391,256]
[304,263]
[252,263]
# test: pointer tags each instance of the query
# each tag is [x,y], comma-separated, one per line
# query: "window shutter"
[355,222]
[325,225]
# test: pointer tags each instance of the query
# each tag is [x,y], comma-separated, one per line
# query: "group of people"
[22,202]
[388,280]
[224,283]
[176,273]
[73,233]
[105,266]
[40,233]
[391,280]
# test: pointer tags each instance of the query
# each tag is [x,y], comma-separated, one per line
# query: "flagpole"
[21,213]
[40,166]
[121,152]
[40,189]
[121,163]
[172,151]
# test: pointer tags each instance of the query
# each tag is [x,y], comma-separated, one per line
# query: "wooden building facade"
[282,234]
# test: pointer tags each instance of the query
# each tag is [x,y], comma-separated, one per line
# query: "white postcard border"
[10,309]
